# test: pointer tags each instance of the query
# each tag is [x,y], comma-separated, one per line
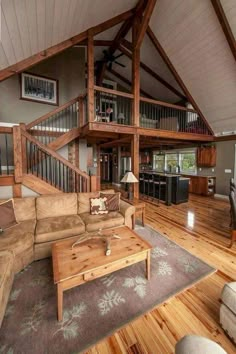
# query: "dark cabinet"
[206,156]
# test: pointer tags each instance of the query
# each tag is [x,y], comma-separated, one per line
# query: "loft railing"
[165,116]
[35,158]
[113,106]
[59,121]
[6,151]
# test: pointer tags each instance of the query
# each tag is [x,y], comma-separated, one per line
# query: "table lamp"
[129,178]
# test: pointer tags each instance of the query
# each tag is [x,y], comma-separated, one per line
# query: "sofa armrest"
[127,210]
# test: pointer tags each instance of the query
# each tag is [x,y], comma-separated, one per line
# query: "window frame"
[178,153]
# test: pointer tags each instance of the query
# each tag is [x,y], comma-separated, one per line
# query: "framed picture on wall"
[39,89]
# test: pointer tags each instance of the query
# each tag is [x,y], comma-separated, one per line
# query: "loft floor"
[201,226]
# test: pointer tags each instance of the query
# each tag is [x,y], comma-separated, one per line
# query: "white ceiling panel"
[192,37]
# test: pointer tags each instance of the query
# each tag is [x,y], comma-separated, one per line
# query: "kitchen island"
[171,188]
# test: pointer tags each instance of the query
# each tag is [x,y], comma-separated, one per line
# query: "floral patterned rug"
[96,309]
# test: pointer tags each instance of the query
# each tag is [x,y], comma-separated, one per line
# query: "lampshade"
[129,177]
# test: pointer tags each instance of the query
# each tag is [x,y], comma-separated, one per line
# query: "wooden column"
[135,74]
[24,149]
[98,169]
[136,92]
[81,118]
[135,162]
[17,148]
[90,80]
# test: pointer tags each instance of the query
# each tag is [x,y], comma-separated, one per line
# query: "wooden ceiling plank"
[171,67]
[48,53]
[225,25]
[153,74]
[144,23]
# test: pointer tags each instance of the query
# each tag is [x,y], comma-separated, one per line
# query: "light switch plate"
[228,170]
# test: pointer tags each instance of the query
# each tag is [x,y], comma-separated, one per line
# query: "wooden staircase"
[38,166]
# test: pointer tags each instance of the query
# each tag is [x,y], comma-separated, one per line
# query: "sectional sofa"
[47,219]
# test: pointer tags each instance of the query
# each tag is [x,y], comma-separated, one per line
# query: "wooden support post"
[24,149]
[90,81]
[135,162]
[81,117]
[98,169]
[135,74]
[17,149]
[17,191]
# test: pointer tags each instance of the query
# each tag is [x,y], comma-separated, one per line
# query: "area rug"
[96,309]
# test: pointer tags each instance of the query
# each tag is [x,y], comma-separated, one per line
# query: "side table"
[139,209]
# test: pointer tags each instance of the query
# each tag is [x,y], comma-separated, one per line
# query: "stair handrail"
[56,156]
[53,112]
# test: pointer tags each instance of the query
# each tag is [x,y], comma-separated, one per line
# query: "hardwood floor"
[201,226]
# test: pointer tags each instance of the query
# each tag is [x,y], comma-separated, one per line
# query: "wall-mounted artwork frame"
[39,88]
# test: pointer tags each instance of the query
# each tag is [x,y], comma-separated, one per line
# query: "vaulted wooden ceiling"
[188,30]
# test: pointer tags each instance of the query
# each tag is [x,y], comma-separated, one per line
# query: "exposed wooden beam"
[99,43]
[153,74]
[124,29]
[225,137]
[126,81]
[90,83]
[48,53]
[171,67]
[225,25]
[135,73]
[144,23]
[118,142]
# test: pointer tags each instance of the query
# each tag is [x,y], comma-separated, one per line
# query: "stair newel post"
[17,149]
[81,118]
[90,81]
[24,149]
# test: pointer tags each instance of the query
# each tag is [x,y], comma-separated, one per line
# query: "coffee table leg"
[148,265]
[59,302]
[143,216]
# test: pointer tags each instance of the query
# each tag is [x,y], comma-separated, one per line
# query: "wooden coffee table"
[87,261]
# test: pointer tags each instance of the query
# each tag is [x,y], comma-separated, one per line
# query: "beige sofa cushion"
[84,201]
[24,208]
[52,229]
[6,279]
[20,240]
[48,206]
[96,222]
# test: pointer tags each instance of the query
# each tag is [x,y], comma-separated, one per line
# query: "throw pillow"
[7,215]
[113,201]
[98,206]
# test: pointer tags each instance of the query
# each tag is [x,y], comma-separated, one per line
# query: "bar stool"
[146,183]
[150,185]
[141,182]
[158,183]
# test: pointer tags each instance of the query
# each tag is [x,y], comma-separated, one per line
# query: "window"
[171,162]
[187,162]
[159,162]
[178,161]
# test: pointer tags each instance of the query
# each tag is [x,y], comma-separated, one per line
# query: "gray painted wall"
[68,67]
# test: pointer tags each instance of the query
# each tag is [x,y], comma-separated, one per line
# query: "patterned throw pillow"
[7,215]
[98,206]
[113,201]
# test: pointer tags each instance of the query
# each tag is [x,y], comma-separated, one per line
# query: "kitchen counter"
[174,187]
